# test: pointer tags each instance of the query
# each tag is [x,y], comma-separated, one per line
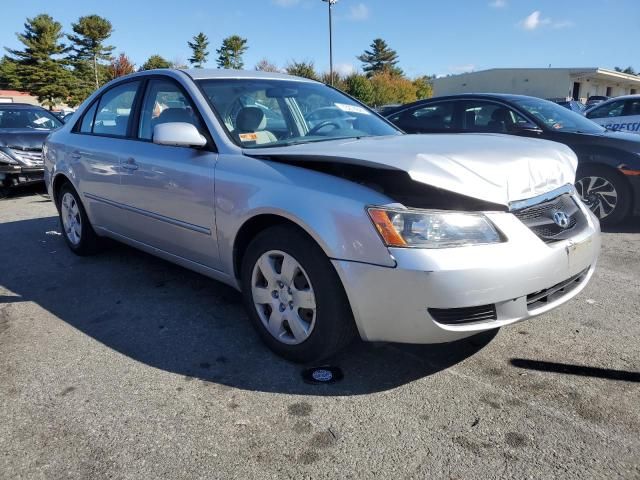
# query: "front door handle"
[76,155]
[130,164]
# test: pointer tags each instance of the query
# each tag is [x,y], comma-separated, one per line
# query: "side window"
[114,110]
[432,117]
[632,107]
[613,109]
[482,116]
[165,102]
[87,120]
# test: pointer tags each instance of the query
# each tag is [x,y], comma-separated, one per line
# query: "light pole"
[330,3]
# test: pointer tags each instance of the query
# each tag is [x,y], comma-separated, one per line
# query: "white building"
[565,83]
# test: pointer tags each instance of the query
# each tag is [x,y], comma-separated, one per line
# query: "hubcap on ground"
[598,194]
[283,297]
[71,221]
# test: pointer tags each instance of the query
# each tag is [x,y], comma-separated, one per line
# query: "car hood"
[24,139]
[491,167]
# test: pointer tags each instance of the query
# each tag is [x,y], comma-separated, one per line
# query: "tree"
[231,51]
[199,49]
[38,69]
[8,73]
[120,66]
[302,69]
[380,59]
[424,87]
[360,87]
[155,61]
[628,70]
[389,88]
[265,65]
[90,33]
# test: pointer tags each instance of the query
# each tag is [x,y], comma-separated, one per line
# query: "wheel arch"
[58,181]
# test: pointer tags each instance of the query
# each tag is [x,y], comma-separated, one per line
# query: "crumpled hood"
[491,167]
[22,138]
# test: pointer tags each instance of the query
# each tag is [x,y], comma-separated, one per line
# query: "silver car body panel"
[188,206]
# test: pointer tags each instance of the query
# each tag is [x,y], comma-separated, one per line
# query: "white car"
[620,113]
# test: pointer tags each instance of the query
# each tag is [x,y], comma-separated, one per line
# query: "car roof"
[611,100]
[20,106]
[218,73]
[488,96]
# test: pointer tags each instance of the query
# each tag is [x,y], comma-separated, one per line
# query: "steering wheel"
[321,125]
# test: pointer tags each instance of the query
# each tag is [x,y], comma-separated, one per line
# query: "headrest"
[175,115]
[250,119]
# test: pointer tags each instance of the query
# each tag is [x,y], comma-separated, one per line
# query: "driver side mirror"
[178,134]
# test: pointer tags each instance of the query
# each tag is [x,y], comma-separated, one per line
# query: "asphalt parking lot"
[125,366]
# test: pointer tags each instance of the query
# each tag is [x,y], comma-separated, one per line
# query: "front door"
[168,191]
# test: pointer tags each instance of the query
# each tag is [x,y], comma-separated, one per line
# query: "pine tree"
[155,61]
[39,69]
[90,33]
[231,51]
[199,48]
[380,59]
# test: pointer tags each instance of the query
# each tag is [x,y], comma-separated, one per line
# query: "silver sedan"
[331,229]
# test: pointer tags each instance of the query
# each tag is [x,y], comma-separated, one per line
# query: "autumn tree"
[88,43]
[423,86]
[265,65]
[380,58]
[304,69]
[360,87]
[389,88]
[120,66]
[155,61]
[231,51]
[39,68]
[199,50]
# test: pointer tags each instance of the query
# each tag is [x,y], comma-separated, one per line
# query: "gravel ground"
[125,366]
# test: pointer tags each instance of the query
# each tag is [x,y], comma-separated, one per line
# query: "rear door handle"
[130,164]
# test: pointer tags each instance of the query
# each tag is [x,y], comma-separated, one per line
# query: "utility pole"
[330,3]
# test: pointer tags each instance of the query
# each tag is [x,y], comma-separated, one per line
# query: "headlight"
[4,158]
[432,229]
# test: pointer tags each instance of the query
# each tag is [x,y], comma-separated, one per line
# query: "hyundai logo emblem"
[561,219]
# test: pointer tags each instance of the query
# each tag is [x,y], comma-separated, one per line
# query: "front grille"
[539,218]
[543,297]
[457,316]
[32,157]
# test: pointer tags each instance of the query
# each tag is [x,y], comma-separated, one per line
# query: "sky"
[432,37]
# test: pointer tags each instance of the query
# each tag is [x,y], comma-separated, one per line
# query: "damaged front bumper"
[441,295]
[17,175]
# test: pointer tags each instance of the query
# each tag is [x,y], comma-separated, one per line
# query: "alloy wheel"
[71,220]
[598,194]
[283,297]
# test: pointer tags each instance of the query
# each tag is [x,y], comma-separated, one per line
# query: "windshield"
[28,118]
[556,117]
[266,113]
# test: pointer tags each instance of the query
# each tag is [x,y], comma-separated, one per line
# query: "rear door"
[437,117]
[99,140]
[168,191]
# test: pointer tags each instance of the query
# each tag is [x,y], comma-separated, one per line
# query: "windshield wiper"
[316,140]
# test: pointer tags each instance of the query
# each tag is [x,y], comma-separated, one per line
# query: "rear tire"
[76,228]
[605,191]
[294,296]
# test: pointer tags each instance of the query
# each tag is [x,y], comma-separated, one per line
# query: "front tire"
[294,296]
[76,228]
[605,192]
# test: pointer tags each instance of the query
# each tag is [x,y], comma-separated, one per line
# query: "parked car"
[329,231]
[596,99]
[23,128]
[572,105]
[620,113]
[608,178]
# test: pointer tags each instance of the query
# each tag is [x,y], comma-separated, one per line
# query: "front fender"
[330,209]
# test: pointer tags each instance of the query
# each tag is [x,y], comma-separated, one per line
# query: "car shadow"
[173,319]
[628,225]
